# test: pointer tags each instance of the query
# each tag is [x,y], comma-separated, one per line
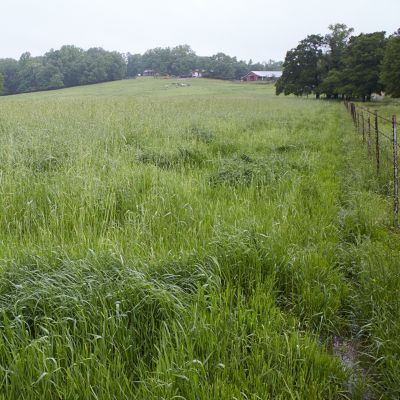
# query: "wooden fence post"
[377,141]
[369,135]
[395,174]
[363,126]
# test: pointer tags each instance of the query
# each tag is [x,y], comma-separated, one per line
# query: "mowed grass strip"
[186,242]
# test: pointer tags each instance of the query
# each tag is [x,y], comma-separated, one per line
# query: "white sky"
[256,29]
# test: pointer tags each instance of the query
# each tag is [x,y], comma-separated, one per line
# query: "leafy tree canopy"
[362,65]
[339,64]
[302,67]
[390,77]
[68,66]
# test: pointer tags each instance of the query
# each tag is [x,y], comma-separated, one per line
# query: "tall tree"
[302,69]
[390,76]
[333,60]
[272,65]
[221,66]
[29,69]
[337,41]
[362,65]
[182,60]
[70,61]
[157,59]
[49,77]
[134,65]
[9,70]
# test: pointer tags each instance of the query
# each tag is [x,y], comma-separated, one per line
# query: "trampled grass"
[201,241]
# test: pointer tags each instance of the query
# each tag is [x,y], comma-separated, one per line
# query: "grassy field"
[207,241]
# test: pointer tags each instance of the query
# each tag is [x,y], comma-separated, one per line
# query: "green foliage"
[35,74]
[9,70]
[301,68]
[222,66]
[1,84]
[69,66]
[338,64]
[337,40]
[332,83]
[182,60]
[270,65]
[362,65]
[333,61]
[134,65]
[390,76]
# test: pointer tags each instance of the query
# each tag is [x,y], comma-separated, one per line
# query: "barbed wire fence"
[382,148]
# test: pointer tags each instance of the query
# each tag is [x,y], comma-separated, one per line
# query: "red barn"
[253,76]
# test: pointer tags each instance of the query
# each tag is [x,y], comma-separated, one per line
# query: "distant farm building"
[193,74]
[253,76]
[149,72]
[197,73]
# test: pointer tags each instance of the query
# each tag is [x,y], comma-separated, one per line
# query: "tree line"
[181,60]
[73,66]
[69,66]
[341,65]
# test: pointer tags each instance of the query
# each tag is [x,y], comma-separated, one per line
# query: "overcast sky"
[256,29]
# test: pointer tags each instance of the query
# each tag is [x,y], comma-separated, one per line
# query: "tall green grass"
[198,242]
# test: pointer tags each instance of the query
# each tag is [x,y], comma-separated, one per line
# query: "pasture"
[207,241]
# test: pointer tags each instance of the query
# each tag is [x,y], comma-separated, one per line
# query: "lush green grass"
[385,110]
[198,242]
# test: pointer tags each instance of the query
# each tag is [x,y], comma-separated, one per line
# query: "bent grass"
[199,242]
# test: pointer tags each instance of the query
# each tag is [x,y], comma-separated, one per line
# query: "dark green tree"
[332,83]
[70,61]
[134,65]
[49,77]
[29,69]
[1,84]
[272,65]
[390,76]
[222,66]
[332,62]
[362,65]
[337,41]
[182,60]
[9,70]
[115,65]
[302,68]
[158,59]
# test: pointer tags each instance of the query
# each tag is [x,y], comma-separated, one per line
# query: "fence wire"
[382,146]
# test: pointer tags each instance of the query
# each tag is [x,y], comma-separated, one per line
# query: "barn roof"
[268,74]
